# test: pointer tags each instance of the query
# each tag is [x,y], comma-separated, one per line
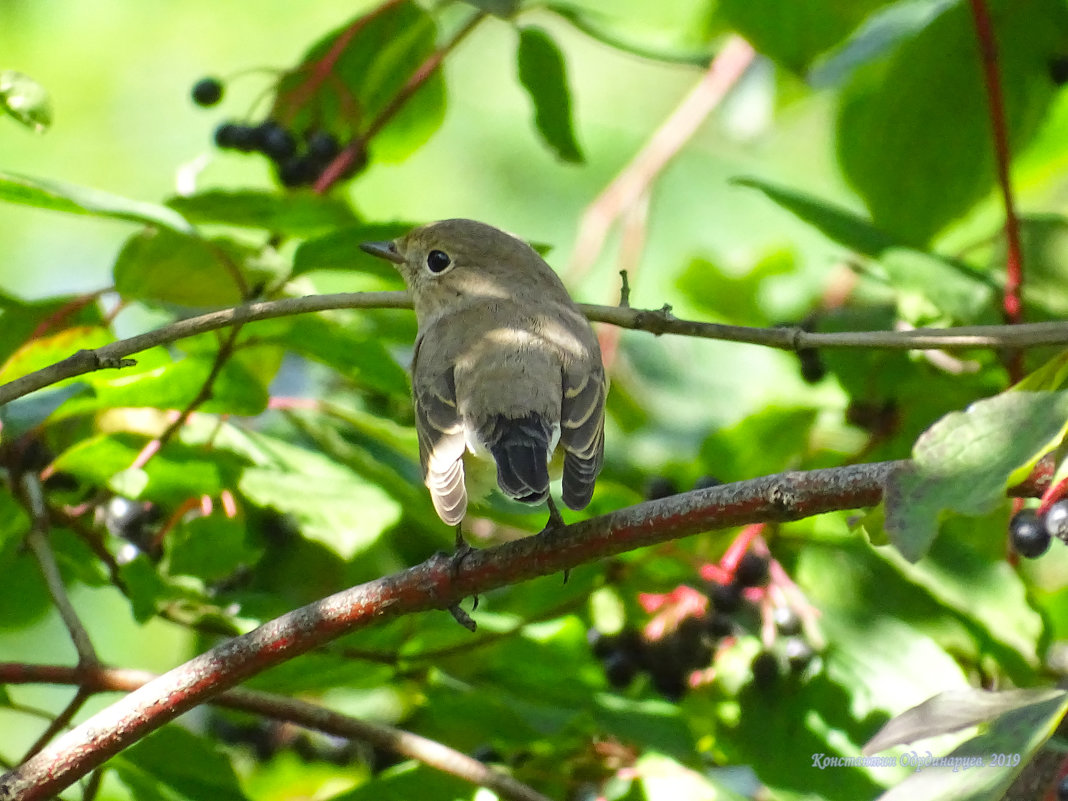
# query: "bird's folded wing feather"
[441,446]
[582,433]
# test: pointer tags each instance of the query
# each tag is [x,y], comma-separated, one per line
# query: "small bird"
[506,367]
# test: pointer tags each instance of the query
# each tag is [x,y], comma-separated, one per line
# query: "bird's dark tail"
[520,447]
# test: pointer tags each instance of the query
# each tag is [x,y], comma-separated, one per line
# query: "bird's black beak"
[383,250]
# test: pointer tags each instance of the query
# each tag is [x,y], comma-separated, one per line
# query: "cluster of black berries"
[671,659]
[297,163]
[298,160]
[668,660]
[1031,533]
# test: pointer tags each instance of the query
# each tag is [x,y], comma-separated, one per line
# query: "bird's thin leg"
[556,520]
[463,550]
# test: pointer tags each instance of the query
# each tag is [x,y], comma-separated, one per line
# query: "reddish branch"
[438,583]
[1012,304]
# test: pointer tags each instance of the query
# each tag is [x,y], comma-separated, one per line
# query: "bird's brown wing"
[582,432]
[441,441]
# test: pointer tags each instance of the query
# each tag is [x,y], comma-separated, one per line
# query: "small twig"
[430,752]
[438,583]
[42,552]
[46,560]
[655,321]
[1012,304]
[624,289]
[226,350]
[59,722]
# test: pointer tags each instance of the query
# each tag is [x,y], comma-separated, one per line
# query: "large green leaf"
[175,474]
[291,213]
[922,279]
[920,118]
[793,34]
[173,763]
[340,250]
[331,504]
[963,463]
[61,196]
[982,768]
[165,267]
[542,73]
[370,59]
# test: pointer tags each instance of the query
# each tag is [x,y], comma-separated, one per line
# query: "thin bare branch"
[42,552]
[430,752]
[438,583]
[635,180]
[655,321]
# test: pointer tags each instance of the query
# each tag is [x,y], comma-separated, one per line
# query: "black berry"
[726,598]
[752,571]
[322,147]
[232,136]
[787,621]
[765,668]
[1062,789]
[297,171]
[619,669]
[487,754]
[1058,70]
[719,625]
[1028,533]
[704,482]
[812,367]
[798,653]
[1057,520]
[601,644]
[274,141]
[207,91]
[660,487]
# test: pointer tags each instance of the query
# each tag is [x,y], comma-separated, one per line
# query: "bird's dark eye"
[436,261]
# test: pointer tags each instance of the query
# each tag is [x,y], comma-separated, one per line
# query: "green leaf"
[499,8]
[542,73]
[44,351]
[954,710]
[210,548]
[793,34]
[165,267]
[1015,735]
[61,196]
[373,57]
[948,284]
[160,382]
[340,250]
[22,320]
[24,414]
[733,299]
[176,473]
[292,213]
[963,463]
[898,136]
[680,33]
[341,342]
[25,100]
[331,504]
[879,33]
[174,763]
[664,779]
